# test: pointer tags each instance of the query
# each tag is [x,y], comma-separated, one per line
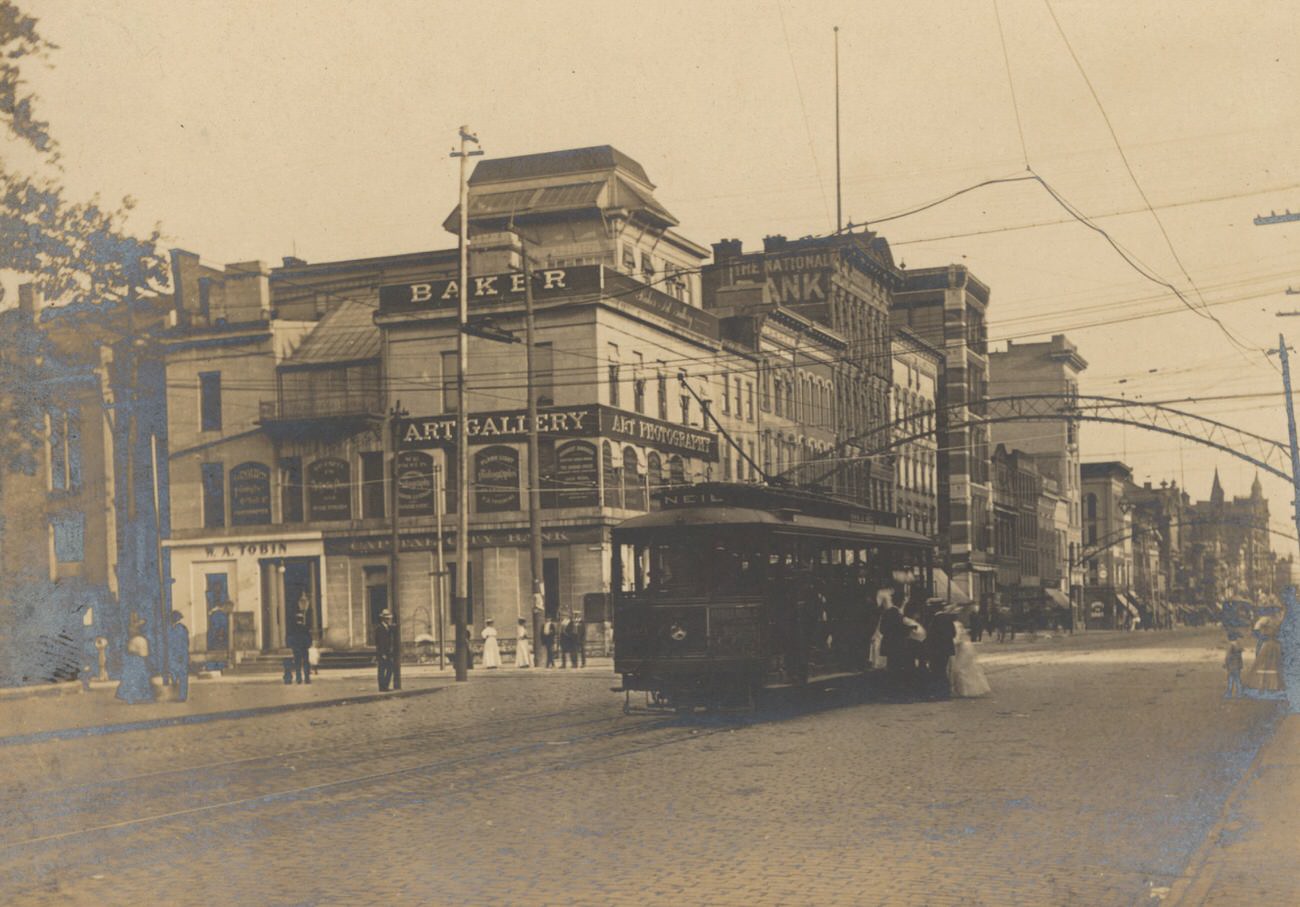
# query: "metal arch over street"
[1269,455]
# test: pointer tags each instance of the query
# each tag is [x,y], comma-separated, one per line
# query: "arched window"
[613,481]
[676,471]
[633,481]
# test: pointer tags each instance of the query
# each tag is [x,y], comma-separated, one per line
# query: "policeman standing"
[387,648]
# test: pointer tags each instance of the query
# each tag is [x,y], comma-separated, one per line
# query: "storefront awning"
[1124,600]
[1058,598]
[945,587]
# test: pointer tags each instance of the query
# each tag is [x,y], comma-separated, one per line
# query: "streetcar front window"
[695,564]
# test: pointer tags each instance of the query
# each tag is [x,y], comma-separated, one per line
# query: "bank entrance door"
[290,586]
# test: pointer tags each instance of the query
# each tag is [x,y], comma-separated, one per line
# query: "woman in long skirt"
[523,651]
[491,651]
[135,685]
[1266,673]
[964,673]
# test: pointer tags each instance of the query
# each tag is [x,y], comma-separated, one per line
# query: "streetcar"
[730,589]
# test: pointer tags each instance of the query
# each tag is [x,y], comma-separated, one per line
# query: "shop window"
[613,479]
[633,482]
[210,401]
[214,495]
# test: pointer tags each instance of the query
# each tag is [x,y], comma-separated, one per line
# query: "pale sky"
[254,130]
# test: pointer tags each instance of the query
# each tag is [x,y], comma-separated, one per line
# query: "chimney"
[724,249]
[185,282]
[30,300]
[247,294]
[774,243]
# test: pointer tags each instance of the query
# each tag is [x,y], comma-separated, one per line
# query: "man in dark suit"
[941,645]
[299,643]
[387,648]
[893,639]
[178,656]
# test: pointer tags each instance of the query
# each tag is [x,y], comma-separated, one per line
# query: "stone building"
[1107,546]
[915,392]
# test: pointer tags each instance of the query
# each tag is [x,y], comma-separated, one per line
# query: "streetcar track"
[438,766]
[335,748]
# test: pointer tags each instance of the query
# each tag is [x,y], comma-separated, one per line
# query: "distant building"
[1045,368]
[1231,545]
[843,283]
[1107,551]
[917,369]
[947,308]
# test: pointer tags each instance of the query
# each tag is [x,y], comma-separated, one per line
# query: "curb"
[1197,876]
[204,717]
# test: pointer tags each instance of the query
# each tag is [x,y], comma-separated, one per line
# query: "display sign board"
[415,483]
[790,278]
[575,475]
[496,479]
[381,543]
[432,295]
[589,421]
[250,494]
[329,490]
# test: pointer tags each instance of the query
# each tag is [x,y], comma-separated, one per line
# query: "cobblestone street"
[1090,777]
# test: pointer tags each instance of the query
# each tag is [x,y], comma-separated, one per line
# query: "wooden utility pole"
[394,540]
[534,463]
[461,598]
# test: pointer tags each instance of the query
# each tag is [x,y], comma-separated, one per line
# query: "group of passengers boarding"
[928,652]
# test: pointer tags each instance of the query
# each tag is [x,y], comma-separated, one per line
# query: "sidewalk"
[65,711]
[1252,854]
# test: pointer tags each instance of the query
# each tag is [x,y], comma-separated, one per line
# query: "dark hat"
[177,616]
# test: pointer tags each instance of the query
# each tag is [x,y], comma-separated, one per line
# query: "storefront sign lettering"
[329,490]
[428,541]
[414,483]
[589,421]
[433,294]
[247,549]
[575,475]
[496,479]
[250,494]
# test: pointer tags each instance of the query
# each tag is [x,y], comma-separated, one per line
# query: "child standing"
[1232,663]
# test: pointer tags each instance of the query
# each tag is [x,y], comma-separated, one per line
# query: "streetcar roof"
[784,521]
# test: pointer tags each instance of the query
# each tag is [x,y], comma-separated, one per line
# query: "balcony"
[324,402]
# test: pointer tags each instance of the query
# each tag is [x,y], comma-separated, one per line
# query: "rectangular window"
[638,382]
[629,259]
[65,450]
[753,459]
[749,400]
[372,484]
[214,496]
[291,490]
[69,537]
[663,396]
[450,392]
[613,374]
[726,466]
[544,373]
[726,394]
[739,403]
[686,409]
[210,401]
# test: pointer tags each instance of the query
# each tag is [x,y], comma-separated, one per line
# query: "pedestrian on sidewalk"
[178,656]
[1265,674]
[580,642]
[491,649]
[523,651]
[300,643]
[387,648]
[1232,663]
[548,640]
[135,685]
[568,643]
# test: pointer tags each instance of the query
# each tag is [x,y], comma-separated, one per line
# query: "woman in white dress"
[523,649]
[491,651]
[964,673]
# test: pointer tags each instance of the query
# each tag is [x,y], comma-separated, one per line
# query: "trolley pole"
[1290,424]
[534,463]
[461,595]
[394,539]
